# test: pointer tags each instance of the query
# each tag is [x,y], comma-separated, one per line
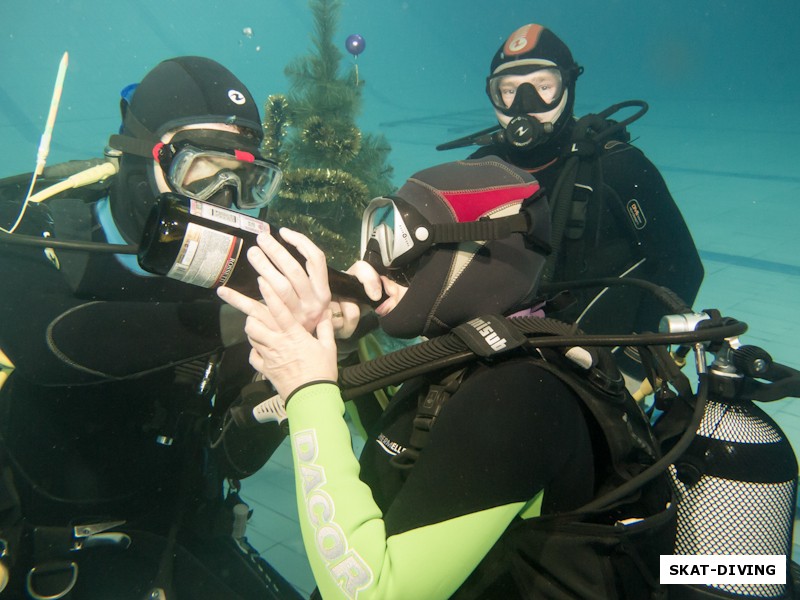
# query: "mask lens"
[261,186]
[539,90]
[384,215]
[388,223]
[200,173]
[377,227]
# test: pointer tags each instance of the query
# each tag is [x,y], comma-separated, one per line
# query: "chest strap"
[428,408]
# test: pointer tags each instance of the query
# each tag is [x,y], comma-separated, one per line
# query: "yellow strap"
[5,362]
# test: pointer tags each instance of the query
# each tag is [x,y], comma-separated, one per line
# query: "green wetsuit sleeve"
[343,529]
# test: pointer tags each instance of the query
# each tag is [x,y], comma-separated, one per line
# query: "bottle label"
[207,257]
[227,217]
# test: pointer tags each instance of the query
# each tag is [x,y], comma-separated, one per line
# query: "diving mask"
[528,87]
[394,233]
[202,172]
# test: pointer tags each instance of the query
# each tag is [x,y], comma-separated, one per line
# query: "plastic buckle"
[97,534]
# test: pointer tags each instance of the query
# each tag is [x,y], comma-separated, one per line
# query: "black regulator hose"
[495,133]
[620,125]
[661,465]
[666,296]
[42,242]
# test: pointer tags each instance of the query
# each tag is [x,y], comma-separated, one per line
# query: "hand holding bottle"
[307,295]
[347,314]
[284,350]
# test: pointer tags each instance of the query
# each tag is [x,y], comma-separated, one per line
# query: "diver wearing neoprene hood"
[117,480]
[613,215]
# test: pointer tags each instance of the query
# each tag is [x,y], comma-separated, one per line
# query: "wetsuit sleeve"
[343,529]
[55,338]
[665,242]
[483,465]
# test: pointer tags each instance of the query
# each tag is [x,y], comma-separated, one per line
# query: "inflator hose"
[99,247]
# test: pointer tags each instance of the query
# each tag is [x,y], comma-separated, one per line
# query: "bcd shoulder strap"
[429,406]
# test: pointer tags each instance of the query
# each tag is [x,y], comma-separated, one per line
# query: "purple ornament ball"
[355,44]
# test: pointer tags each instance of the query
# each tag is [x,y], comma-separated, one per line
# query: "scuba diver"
[613,215]
[468,465]
[512,462]
[117,482]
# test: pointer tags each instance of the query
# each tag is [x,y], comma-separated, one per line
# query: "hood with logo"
[180,91]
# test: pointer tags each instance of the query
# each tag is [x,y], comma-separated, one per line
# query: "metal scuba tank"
[737,483]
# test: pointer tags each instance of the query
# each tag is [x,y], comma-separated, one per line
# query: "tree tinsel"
[331,169]
[277,119]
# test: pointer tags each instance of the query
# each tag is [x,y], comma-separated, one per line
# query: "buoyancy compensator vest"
[611,549]
[608,550]
[732,469]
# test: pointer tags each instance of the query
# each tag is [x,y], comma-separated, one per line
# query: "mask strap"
[524,222]
[141,140]
[484,229]
[131,145]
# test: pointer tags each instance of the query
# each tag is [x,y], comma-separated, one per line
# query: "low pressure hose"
[449,350]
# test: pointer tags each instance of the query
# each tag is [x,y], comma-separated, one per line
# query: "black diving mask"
[395,234]
[526,89]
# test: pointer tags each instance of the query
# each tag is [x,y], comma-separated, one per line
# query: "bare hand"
[347,314]
[296,304]
[304,291]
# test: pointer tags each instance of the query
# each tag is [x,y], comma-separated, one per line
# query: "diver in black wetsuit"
[113,469]
[617,215]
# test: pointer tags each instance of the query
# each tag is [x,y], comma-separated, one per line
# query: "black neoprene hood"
[533,42]
[192,89]
[177,92]
[456,282]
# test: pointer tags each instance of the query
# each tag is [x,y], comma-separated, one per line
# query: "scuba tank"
[737,483]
